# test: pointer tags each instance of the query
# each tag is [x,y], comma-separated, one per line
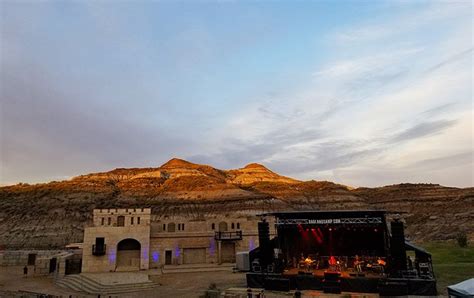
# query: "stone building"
[135,239]
[41,262]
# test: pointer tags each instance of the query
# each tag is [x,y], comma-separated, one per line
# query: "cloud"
[367,33]
[45,126]
[410,19]
[443,108]
[384,100]
[423,129]
[454,58]
[374,108]
[55,125]
[450,161]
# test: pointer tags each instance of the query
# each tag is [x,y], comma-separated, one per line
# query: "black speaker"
[266,254]
[332,283]
[397,247]
[331,276]
[263,232]
[277,284]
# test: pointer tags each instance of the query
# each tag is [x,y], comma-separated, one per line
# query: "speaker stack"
[397,247]
[264,244]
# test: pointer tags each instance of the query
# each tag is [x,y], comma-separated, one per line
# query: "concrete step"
[90,282]
[186,268]
[81,287]
[86,284]
[189,270]
[206,265]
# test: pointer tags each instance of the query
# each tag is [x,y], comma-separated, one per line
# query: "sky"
[363,93]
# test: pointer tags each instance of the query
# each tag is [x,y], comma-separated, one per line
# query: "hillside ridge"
[53,214]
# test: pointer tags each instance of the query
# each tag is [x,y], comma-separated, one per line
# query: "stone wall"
[42,260]
[200,234]
[113,234]
[132,216]
[181,239]
[20,257]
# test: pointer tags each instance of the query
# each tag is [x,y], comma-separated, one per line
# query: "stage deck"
[369,283]
[319,273]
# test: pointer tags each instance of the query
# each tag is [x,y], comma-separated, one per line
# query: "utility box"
[243,261]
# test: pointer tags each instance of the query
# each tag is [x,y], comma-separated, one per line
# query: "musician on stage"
[308,262]
[301,262]
[358,264]
[382,264]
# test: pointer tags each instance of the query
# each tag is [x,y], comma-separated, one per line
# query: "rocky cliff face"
[53,214]
[431,211]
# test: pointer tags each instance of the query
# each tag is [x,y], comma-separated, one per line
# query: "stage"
[334,251]
[319,273]
[367,284]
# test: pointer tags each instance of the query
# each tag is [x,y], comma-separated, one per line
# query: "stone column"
[61,272]
[219,252]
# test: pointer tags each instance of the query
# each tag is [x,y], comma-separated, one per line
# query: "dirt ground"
[194,284]
[12,280]
[172,284]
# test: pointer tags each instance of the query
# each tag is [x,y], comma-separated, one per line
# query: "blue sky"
[364,93]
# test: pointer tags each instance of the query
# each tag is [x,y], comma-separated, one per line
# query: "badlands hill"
[53,214]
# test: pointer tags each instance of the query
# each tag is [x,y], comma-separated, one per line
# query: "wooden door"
[168,257]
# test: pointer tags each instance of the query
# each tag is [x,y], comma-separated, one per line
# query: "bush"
[212,286]
[461,238]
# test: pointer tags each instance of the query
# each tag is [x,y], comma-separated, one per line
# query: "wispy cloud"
[366,33]
[373,107]
[423,129]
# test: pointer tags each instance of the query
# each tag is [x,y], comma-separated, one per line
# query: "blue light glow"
[212,247]
[251,244]
[155,256]
[177,252]
[112,256]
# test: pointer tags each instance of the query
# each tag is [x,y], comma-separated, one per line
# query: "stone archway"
[128,255]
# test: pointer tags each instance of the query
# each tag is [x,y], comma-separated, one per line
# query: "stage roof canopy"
[342,217]
[416,249]
[328,213]
[462,289]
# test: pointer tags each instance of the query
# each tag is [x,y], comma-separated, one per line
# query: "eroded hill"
[53,214]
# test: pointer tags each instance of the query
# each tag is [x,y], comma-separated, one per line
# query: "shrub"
[461,238]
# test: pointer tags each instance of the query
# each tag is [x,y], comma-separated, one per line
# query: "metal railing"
[98,250]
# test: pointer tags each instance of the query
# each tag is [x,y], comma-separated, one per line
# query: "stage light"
[330,229]
[375,230]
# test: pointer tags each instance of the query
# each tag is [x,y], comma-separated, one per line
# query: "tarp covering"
[417,249]
[462,289]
